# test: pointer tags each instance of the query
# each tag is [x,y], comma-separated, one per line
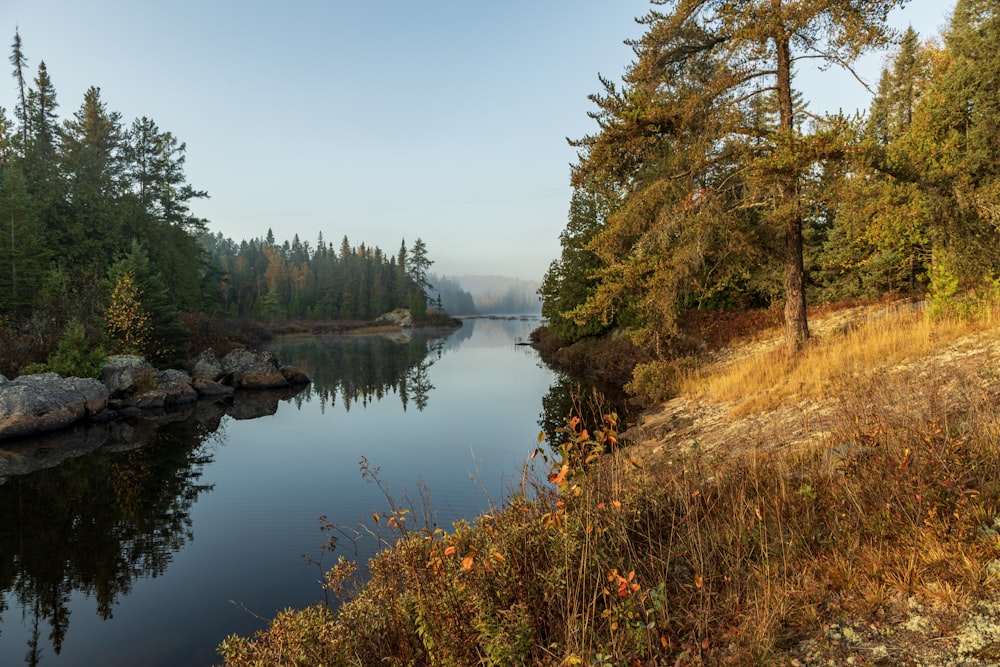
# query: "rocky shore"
[129,386]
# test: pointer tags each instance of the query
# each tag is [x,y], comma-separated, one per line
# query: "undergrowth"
[737,557]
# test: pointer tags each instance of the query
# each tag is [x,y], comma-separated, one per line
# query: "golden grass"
[882,339]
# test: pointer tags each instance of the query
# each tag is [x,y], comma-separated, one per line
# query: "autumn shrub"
[126,321]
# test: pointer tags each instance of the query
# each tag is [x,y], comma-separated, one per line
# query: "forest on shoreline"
[710,186]
[100,251]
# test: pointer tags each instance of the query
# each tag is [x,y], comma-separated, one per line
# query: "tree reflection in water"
[97,522]
[362,369]
[568,398]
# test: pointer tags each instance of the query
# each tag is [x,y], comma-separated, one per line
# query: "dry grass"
[844,347]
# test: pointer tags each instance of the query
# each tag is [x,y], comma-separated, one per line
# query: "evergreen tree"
[93,230]
[21,254]
[572,278]
[167,338]
[960,117]
[155,167]
[880,238]
[708,145]
[20,63]
[46,186]
[417,268]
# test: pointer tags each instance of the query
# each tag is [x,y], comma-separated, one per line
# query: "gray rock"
[126,374]
[206,366]
[253,369]
[399,317]
[173,387]
[44,402]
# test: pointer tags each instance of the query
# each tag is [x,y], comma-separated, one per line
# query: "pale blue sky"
[442,119]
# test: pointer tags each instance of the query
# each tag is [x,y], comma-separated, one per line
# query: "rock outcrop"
[172,388]
[252,369]
[400,317]
[46,401]
[206,366]
[127,374]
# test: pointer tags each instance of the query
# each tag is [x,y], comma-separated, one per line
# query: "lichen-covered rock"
[173,387]
[45,401]
[399,317]
[206,366]
[125,374]
[252,369]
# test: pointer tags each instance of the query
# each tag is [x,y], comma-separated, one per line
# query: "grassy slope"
[840,506]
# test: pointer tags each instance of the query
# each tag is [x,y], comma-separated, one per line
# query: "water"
[146,544]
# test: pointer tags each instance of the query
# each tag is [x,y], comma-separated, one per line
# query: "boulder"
[206,366]
[173,387]
[252,369]
[45,401]
[399,317]
[126,374]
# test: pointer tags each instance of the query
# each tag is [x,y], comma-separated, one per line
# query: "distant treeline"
[266,280]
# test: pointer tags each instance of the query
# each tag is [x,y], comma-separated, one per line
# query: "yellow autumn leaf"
[450,551]
[498,557]
[467,563]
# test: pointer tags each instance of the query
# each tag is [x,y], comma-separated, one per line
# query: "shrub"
[75,356]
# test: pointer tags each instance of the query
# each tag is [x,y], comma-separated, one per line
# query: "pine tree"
[91,157]
[22,257]
[708,143]
[20,63]
[418,266]
[954,144]
[167,338]
[572,278]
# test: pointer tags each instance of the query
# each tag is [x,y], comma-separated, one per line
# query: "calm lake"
[147,543]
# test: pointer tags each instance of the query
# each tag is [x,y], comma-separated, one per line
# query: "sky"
[378,120]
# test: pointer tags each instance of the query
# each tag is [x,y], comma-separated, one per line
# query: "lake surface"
[147,543]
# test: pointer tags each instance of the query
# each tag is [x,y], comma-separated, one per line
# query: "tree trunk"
[796,324]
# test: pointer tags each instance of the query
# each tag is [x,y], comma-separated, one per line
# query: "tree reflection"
[95,523]
[360,370]
[568,398]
